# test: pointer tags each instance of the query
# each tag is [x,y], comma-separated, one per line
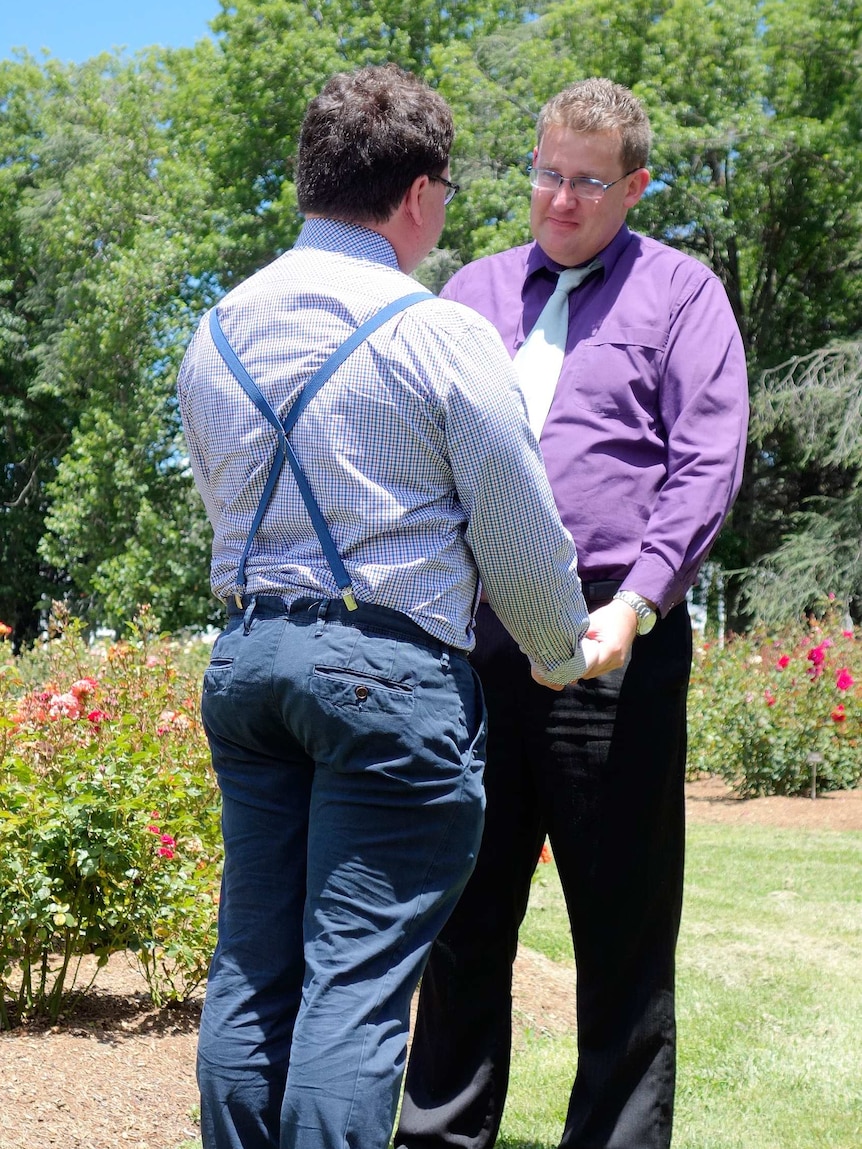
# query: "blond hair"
[599,105]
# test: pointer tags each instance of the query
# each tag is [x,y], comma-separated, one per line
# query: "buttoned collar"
[539,264]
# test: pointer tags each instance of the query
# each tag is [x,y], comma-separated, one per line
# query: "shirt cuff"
[565,672]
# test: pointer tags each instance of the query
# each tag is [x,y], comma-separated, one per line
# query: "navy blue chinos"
[349,749]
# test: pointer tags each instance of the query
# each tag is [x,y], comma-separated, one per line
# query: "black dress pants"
[599,768]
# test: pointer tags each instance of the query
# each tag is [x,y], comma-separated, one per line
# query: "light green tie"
[540,357]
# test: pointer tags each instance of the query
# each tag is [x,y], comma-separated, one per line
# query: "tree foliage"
[101,215]
[134,193]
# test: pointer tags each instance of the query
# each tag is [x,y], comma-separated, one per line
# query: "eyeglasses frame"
[573,180]
[451,189]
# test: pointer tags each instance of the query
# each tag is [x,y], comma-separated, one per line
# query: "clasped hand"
[607,642]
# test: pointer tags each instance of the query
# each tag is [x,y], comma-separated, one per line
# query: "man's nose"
[564,195]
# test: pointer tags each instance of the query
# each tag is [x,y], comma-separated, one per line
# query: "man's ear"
[414,200]
[638,182]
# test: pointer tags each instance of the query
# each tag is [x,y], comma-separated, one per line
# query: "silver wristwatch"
[646,615]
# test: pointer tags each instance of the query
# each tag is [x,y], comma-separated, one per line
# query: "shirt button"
[361,693]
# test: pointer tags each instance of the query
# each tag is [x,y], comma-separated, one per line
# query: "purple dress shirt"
[644,443]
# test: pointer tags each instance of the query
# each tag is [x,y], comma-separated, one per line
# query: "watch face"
[646,622]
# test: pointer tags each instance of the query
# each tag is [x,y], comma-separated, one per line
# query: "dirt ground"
[120,1074]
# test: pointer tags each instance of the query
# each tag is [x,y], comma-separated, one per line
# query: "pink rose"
[843,679]
[83,687]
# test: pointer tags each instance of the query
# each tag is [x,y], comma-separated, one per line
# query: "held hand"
[612,629]
[607,643]
[592,653]
[543,681]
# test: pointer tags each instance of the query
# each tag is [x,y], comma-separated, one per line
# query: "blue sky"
[75,30]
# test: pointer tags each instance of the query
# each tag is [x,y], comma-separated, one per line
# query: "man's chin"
[560,242]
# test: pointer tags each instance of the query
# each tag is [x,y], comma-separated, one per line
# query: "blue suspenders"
[283,428]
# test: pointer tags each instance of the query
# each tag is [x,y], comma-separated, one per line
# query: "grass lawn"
[769,997]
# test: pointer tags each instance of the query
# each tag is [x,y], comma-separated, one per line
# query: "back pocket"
[218,675]
[355,690]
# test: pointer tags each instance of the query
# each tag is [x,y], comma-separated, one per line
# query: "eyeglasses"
[451,189]
[584,187]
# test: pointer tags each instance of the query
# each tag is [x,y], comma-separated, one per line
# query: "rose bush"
[109,816]
[779,714]
[109,812]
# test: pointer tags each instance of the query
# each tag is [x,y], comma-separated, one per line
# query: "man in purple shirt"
[644,444]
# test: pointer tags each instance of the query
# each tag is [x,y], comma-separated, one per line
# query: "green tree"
[274,56]
[819,556]
[35,421]
[102,214]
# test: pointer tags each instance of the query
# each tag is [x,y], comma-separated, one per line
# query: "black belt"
[600,592]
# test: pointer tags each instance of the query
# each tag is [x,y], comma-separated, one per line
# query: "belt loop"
[246,618]
[321,617]
[444,661]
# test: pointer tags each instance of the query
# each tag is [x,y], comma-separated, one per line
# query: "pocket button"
[361,693]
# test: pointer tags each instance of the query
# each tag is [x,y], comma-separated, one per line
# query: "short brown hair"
[599,105]
[366,138]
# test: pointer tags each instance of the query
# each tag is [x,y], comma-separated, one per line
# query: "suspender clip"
[349,598]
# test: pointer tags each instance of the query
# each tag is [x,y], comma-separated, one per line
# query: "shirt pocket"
[616,371]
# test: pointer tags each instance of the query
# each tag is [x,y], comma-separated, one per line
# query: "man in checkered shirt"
[349,743]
